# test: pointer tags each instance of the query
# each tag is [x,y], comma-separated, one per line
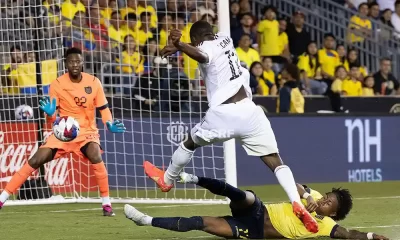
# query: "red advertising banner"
[18,143]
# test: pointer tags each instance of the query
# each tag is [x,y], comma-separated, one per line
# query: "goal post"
[150,135]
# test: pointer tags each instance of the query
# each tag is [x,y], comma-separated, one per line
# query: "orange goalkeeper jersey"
[79,100]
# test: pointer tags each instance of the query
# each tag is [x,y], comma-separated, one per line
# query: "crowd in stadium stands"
[130,34]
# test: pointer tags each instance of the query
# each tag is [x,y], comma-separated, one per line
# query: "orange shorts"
[71,147]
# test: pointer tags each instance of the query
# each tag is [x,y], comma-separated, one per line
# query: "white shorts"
[244,121]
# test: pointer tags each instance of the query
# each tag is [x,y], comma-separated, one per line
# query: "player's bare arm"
[343,233]
[193,52]
[311,203]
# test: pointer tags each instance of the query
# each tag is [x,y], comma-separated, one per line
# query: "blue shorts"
[248,222]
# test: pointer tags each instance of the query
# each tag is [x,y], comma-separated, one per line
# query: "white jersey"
[223,74]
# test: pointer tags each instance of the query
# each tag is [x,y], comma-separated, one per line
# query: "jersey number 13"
[233,64]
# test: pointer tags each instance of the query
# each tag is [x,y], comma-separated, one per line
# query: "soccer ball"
[65,128]
[24,112]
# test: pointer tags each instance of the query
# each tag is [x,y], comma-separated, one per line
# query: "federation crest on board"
[177,132]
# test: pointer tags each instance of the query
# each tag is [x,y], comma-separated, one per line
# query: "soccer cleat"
[1,205]
[187,178]
[157,175]
[308,221]
[135,215]
[107,211]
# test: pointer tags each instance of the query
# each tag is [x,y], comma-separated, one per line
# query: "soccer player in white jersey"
[231,110]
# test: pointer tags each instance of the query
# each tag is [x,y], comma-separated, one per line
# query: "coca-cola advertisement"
[18,143]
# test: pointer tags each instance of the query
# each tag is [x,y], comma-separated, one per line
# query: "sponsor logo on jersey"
[177,132]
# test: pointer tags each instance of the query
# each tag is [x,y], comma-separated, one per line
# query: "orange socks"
[19,178]
[100,172]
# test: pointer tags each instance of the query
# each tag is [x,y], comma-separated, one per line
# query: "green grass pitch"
[376,209]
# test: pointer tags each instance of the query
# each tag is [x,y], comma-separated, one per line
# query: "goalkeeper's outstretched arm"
[343,233]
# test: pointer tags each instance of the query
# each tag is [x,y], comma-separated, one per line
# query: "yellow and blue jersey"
[290,226]
[290,99]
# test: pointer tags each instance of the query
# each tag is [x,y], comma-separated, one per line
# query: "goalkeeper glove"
[116,126]
[48,107]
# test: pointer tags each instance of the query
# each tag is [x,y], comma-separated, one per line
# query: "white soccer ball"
[66,128]
[24,112]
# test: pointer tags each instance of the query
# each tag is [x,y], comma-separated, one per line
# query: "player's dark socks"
[179,224]
[222,188]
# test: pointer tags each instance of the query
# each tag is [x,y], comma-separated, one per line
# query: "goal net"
[158,100]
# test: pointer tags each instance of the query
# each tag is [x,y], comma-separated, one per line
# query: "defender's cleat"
[309,222]
[157,175]
[107,211]
[135,215]
[187,178]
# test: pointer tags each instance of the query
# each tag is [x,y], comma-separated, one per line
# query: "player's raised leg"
[92,151]
[214,225]
[42,156]
[180,158]
[260,141]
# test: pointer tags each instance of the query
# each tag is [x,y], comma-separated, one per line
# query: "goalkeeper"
[78,95]
[254,220]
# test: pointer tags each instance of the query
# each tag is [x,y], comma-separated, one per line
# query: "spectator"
[9,72]
[172,7]
[131,26]
[385,82]
[244,6]
[336,90]
[352,60]
[328,58]
[245,53]
[263,86]
[266,83]
[352,86]
[283,42]
[179,23]
[298,36]
[368,89]
[53,12]
[145,32]
[341,75]
[309,62]
[360,26]
[374,12]
[150,51]
[268,34]
[256,72]
[341,50]
[105,11]
[131,7]
[146,91]
[115,31]
[131,56]
[386,17]
[145,6]
[234,15]
[290,99]
[30,57]
[165,25]
[246,24]
[79,35]
[396,19]
[70,7]
[97,28]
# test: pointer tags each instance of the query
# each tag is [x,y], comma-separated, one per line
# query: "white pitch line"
[99,209]
[380,226]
